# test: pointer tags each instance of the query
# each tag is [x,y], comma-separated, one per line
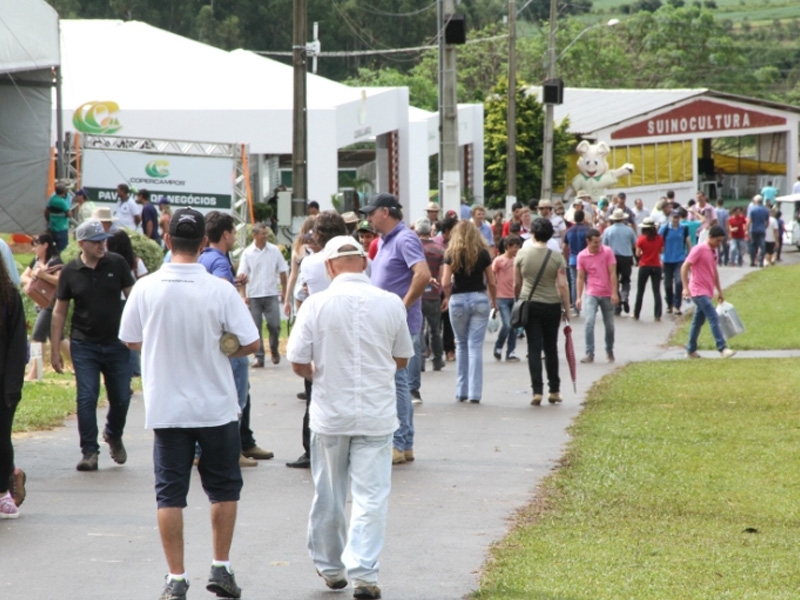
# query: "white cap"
[333,249]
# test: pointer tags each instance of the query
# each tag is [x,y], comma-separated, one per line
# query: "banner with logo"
[201,182]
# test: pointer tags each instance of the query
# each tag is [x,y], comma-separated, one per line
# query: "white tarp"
[28,51]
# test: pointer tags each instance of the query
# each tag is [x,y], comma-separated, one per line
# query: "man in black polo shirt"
[95,280]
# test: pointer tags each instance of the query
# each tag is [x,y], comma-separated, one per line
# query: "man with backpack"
[677,243]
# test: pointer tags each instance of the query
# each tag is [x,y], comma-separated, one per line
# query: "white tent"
[151,83]
[28,53]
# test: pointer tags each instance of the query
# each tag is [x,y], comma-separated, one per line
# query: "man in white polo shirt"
[127,212]
[263,265]
[192,401]
[350,339]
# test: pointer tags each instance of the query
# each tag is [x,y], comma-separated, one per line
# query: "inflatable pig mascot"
[594,175]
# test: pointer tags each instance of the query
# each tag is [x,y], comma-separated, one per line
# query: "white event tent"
[28,54]
[152,83]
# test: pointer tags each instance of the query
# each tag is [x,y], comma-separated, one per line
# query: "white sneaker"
[8,508]
[727,353]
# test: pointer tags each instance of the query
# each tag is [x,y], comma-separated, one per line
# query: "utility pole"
[450,177]
[299,113]
[511,114]
[547,154]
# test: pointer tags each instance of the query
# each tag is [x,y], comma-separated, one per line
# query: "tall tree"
[530,144]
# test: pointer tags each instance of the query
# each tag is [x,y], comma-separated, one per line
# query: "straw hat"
[103,214]
[648,223]
[618,215]
[545,204]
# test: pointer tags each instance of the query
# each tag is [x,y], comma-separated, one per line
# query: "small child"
[503,267]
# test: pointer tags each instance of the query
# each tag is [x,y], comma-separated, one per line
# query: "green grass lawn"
[766,301]
[45,405]
[673,487]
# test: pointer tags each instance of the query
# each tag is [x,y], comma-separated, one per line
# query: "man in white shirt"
[127,212]
[545,209]
[350,339]
[263,264]
[192,401]
[640,213]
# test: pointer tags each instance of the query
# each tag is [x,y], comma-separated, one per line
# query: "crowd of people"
[373,300]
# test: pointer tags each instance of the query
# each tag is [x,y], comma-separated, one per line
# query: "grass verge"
[766,300]
[672,487]
[45,404]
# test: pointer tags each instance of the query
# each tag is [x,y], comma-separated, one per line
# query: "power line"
[413,13]
[345,53]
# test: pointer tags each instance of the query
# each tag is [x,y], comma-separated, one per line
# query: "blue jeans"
[738,249]
[504,306]
[704,309]
[723,254]
[673,286]
[469,315]
[404,436]
[90,360]
[758,248]
[61,238]
[607,308]
[573,284]
[241,377]
[415,364]
[362,463]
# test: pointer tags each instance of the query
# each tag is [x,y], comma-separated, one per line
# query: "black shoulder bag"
[519,314]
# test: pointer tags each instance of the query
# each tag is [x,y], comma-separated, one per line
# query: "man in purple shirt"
[400,267]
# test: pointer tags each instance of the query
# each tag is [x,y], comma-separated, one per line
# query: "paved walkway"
[94,535]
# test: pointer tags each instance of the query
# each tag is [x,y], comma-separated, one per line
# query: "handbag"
[43,293]
[519,312]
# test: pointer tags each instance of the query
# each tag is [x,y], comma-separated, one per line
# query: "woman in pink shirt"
[702,261]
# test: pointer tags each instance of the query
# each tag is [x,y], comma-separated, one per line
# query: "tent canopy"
[29,50]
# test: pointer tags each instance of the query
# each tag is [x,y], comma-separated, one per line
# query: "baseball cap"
[364,226]
[382,200]
[91,231]
[334,247]
[187,223]
[163,200]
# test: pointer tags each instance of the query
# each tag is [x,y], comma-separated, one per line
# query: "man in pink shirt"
[597,273]
[702,261]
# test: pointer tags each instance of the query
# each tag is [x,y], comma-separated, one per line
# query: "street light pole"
[547,153]
[299,113]
[511,114]
[450,175]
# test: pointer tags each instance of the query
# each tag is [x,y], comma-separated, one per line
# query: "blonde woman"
[302,247]
[470,292]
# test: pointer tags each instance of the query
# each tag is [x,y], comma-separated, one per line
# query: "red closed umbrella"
[569,351]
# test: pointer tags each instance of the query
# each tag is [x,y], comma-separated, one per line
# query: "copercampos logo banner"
[97,117]
[157,168]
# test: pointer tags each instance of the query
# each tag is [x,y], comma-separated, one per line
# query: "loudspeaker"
[455,30]
[553,91]
[705,166]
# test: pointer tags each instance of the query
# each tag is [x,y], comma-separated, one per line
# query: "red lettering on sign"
[700,115]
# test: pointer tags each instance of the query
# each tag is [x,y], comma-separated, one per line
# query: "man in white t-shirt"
[127,212]
[191,401]
[263,266]
[350,339]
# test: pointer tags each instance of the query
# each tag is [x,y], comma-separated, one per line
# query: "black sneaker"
[366,592]
[304,462]
[116,449]
[174,589]
[223,584]
[626,306]
[88,462]
[334,583]
[497,354]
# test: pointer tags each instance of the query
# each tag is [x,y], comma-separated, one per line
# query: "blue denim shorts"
[220,475]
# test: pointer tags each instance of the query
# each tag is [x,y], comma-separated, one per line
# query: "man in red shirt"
[737,225]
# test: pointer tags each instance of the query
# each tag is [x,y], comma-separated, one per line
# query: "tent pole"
[60,166]
[300,116]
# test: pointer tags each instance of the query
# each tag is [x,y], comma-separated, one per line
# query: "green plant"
[146,249]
